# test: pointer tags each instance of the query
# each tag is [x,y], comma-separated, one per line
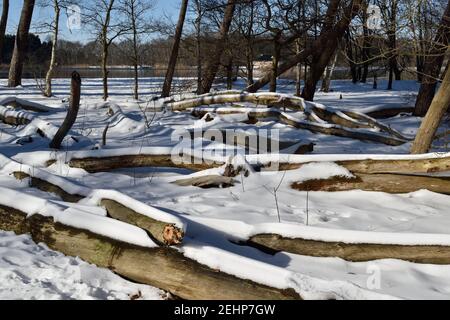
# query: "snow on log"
[355,252]
[267,98]
[251,141]
[318,126]
[104,164]
[369,164]
[389,183]
[160,267]
[161,226]
[161,232]
[18,103]
[34,125]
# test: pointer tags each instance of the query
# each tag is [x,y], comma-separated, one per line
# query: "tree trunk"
[3,23]
[322,58]
[249,60]
[214,62]
[198,44]
[433,65]
[21,44]
[105,47]
[175,49]
[71,114]
[51,68]
[275,63]
[105,71]
[326,83]
[366,48]
[355,252]
[298,73]
[229,71]
[135,52]
[433,119]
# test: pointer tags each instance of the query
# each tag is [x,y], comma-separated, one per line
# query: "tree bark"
[323,57]
[298,72]
[71,114]
[430,124]
[175,49]
[51,68]
[135,51]
[21,44]
[198,44]
[214,62]
[3,23]
[105,48]
[433,65]
[275,62]
[389,183]
[351,251]
[326,83]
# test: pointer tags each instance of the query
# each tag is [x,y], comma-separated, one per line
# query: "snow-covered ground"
[214,216]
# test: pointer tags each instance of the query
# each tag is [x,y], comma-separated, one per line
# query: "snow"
[76,218]
[32,271]
[215,219]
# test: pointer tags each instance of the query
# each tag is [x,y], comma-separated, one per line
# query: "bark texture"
[71,114]
[175,49]
[21,44]
[214,61]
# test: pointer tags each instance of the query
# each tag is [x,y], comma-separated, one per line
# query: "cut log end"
[172,235]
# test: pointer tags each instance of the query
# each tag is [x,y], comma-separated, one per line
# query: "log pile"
[318,118]
[160,267]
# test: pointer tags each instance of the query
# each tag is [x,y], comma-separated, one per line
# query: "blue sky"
[162,7]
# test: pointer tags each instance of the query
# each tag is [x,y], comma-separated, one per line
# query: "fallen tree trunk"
[269,99]
[354,252]
[315,127]
[250,140]
[18,103]
[48,187]
[163,233]
[370,166]
[163,268]
[104,164]
[389,183]
[13,118]
[206,182]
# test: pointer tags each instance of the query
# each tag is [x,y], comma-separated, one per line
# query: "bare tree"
[214,62]
[107,22]
[176,47]
[55,30]
[21,44]
[136,12]
[433,119]
[3,23]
